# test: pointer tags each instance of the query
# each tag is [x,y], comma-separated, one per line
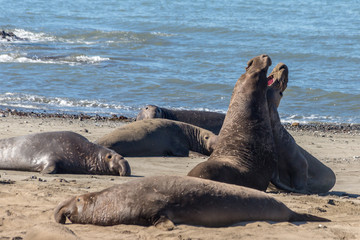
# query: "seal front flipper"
[49,168]
[164,223]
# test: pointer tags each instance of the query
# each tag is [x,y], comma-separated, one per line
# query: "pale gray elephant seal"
[60,152]
[173,200]
[245,152]
[158,137]
[211,121]
[297,170]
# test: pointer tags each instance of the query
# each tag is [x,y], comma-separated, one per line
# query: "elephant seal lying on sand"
[167,200]
[60,152]
[158,137]
[245,152]
[211,121]
[297,170]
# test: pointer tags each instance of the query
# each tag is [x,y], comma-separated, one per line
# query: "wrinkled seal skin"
[60,152]
[244,153]
[175,200]
[211,121]
[297,170]
[158,137]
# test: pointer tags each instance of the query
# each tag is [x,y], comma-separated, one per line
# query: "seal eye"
[281,94]
[78,199]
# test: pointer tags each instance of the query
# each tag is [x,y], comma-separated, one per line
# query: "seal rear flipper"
[164,223]
[300,217]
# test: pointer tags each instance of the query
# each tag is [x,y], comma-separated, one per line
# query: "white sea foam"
[93,59]
[37,102]
[309,118]
[71,60]
[34,37]
[163,34]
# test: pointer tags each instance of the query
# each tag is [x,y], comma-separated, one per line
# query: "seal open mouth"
[270,80]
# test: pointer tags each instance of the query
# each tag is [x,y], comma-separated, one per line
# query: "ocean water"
[114,57]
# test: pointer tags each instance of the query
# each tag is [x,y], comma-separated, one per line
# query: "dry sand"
[27,199]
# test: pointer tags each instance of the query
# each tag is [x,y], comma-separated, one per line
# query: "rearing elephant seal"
[167,200]
[60,152]
[297,170]
[211,121]
[158,137]
[244,153]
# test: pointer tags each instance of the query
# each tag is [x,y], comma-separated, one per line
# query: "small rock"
[8,181]
[322,226]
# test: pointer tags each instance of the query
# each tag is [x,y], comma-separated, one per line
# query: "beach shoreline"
[27,199]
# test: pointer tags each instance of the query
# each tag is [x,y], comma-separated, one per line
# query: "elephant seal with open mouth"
[297,170]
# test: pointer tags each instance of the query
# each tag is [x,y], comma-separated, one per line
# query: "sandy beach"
[28,199]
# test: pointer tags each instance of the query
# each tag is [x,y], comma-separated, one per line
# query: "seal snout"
[266,59]
[278,78]
[62,211]
[124,167]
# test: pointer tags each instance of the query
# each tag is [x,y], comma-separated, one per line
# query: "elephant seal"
[158,137]
[60,152]
[167,200]
[297,170]
[211,121]
[245,152]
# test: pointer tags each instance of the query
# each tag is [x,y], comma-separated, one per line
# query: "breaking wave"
[71,60]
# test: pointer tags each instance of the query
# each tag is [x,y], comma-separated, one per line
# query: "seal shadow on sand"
[341,194]
[243,224]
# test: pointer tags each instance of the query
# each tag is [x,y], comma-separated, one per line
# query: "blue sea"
[114,57]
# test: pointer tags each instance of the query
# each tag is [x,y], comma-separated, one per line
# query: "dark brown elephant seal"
[158,137]
[244,153]
[167,200]
[211,121]
[60,152]
[297,170]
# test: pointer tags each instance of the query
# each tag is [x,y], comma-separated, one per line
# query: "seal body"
[175,200]
[245,152]
[297,170]
[158,137]
[211,121]
[60,152]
